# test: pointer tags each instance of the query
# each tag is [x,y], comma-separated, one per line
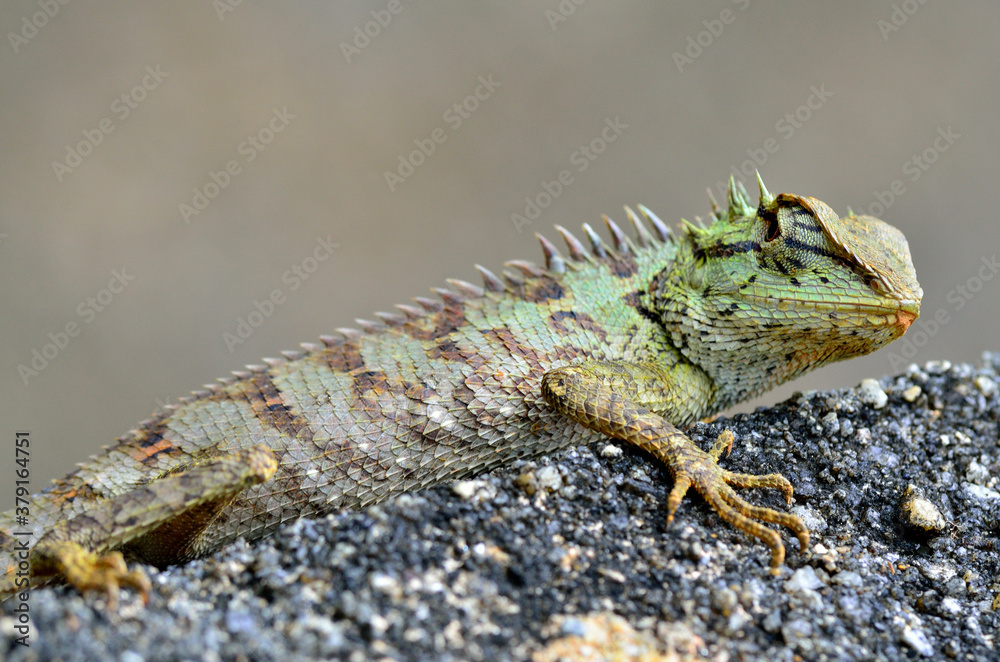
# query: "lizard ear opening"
[790,238]
[773,230]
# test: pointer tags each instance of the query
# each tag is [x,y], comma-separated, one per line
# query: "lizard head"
[764,294]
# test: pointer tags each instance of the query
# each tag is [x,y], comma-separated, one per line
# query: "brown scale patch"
[541,290]
[268,404]
[68,488]
[370,382]
[447,349]
[436,325]
[149,445]
[623,266]
[634,299]
[567,354]
[344,356]
[559,319]
[504,337]
[417,391]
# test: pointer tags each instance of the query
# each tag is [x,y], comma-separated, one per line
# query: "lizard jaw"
[907,313]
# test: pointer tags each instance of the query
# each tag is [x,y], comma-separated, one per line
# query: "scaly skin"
[635,341]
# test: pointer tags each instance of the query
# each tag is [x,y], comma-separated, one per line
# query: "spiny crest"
[738,204]
[521,270]
[765,199]
[621,244]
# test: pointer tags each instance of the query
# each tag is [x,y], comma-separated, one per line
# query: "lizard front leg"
[619,399]
[160,522]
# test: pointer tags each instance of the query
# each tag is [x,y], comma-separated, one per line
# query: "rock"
[919,513]
[871,393]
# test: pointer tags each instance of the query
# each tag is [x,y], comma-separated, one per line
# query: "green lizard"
[634,341]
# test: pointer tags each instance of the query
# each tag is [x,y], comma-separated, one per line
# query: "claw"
[681,485]
[716,484]
[87,571]
[109,573]
[723,443]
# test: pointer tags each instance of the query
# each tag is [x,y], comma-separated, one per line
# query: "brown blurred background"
[199,80]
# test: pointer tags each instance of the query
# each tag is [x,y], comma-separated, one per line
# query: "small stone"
[955,587]
[811,518]
[724,600]
[937,572]
[549,478]
[871,393]
[977,473]
[612,450]
[598,637]
[528,481]
[738,620]
[467,489]
[985,385]
[772,621]
[917,640]
[980,492]
[919,513]
[951,606]
[802,580]
[830,423]
[937,367]
[386,584]
[613,575]
[911,394]
[848,578]
[797,632]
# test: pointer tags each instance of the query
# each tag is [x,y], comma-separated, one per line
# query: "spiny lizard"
[636,341]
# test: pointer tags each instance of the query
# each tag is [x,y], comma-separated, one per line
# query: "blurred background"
[167,165]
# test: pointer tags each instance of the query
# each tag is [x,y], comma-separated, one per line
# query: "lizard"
[635,340]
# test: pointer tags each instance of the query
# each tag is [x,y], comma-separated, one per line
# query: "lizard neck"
[740,354]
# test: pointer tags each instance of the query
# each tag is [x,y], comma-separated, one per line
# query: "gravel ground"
[570,556]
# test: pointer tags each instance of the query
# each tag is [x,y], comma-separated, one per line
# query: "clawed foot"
[715,485]
[87,571]
[108,573]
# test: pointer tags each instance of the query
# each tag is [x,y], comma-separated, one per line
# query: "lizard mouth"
[904,319]
[908,311]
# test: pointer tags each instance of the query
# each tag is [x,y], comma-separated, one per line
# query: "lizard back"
[442,390]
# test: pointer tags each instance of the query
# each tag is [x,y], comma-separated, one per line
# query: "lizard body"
[636,341]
